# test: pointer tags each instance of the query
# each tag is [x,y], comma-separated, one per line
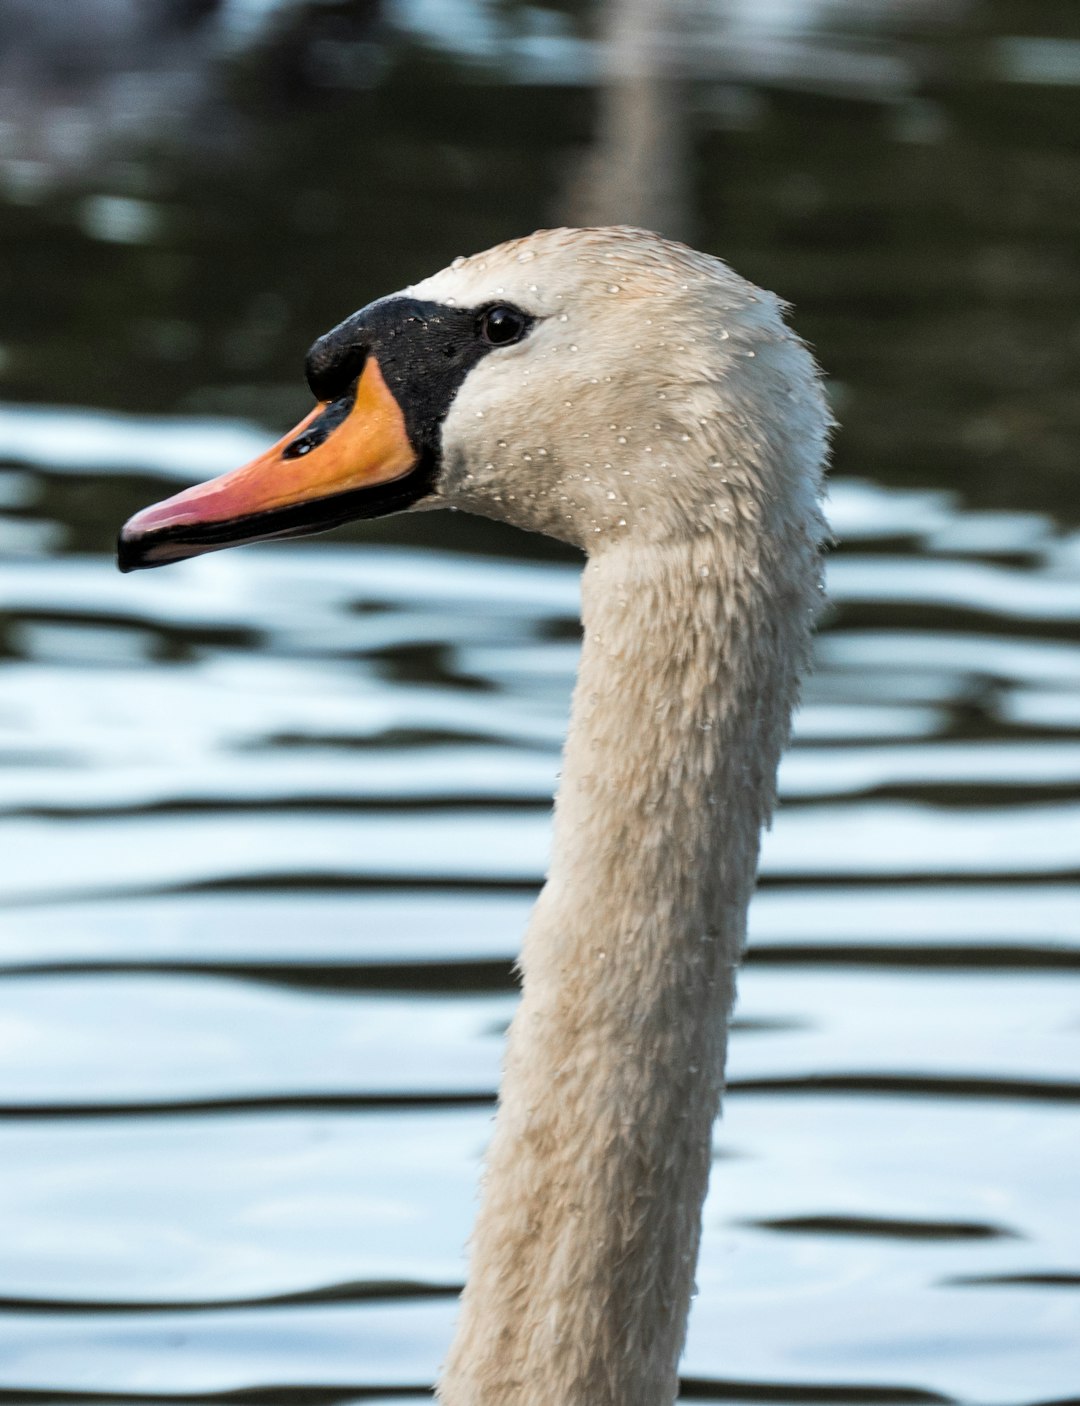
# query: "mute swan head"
[643,402]
[596,385]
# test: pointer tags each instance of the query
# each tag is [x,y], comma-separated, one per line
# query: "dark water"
[272,821]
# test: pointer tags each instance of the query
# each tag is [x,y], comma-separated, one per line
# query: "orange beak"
[348,459]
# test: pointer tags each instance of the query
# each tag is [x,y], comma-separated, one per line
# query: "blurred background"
[272,820]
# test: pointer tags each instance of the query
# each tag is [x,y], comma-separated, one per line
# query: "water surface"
[272,821]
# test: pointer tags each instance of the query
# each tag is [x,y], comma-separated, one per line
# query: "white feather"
[661,416]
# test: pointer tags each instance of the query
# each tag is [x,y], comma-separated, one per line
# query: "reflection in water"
[272,823]
[906,172]
[637,170]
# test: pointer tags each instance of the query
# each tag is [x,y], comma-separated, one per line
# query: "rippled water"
[273,821]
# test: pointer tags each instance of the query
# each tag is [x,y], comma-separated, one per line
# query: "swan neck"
[584,1251]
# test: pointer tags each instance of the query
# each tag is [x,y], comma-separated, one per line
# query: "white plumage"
[662,417]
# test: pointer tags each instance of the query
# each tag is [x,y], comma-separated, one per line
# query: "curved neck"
[584,1251]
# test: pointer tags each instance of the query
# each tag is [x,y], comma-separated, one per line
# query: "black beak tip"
[128,554]
[163,546]
[136,553]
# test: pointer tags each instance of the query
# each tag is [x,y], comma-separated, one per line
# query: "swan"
[640,400]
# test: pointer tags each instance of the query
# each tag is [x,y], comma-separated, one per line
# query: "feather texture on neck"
[583,1255]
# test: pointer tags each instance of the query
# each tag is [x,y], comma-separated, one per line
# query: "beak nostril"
[304,444]
[335,414]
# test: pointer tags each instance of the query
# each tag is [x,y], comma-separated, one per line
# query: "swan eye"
[502,324]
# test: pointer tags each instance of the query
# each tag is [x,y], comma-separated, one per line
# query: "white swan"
[642,401]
